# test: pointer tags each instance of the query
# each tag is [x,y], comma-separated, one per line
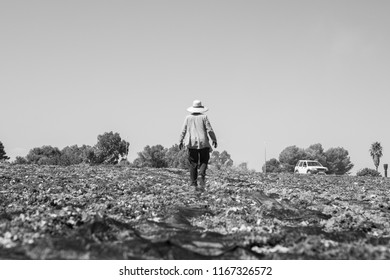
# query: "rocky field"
[116,212]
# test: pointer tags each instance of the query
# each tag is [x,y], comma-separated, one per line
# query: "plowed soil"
[114,212]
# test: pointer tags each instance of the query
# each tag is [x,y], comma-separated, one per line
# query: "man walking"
[195,136]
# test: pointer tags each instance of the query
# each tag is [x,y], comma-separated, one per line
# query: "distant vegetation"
[368,172]
[158,156]
[376,153]
[3,155]
[337,160]
[111,149]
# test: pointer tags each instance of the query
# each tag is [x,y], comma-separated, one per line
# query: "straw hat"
[197,107]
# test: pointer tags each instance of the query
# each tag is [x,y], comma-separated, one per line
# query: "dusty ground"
[106,212]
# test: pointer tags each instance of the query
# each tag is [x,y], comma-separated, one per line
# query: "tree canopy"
[338,161]
[74,154]
[109,148]
[221,160]
[272,166]
[152,156]
[3,155]
[290,156]
[376,152]
[45,155]
[177,158]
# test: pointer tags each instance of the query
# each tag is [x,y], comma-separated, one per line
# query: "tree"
[272,166]
[221,160]
[20,160]
[243,166]
[3,155]
[84,151]
[316,152]
[74,155]
[108,149]
[45,155]
[152,157]
[338,161]
[290,156]
[376,153]
[177,158]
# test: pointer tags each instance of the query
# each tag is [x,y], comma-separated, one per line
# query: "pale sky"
[274,73]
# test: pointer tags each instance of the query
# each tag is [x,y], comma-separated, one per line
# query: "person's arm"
[183,134]
[210,132]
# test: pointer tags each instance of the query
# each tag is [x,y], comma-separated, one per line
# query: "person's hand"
[215,144]
[180,146]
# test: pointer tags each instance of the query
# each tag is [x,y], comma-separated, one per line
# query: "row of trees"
[111,149]
[108,150]
[337,160]
[158,156]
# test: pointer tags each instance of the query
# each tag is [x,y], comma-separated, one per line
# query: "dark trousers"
[198,158]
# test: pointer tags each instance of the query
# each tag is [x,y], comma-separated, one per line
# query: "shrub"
[20,160]
[177,158]
[124,162]
[368,172]
[152,157]
[243,166]
[72,155]
[273,166]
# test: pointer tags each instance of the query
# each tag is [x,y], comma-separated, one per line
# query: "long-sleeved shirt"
[195,132]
